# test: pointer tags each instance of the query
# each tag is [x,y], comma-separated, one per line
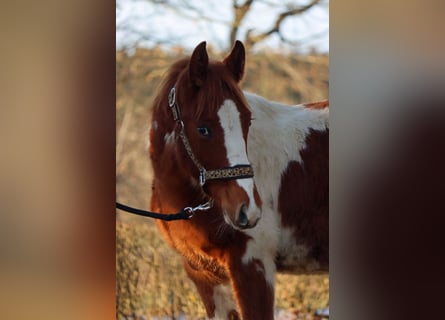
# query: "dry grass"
[150,277]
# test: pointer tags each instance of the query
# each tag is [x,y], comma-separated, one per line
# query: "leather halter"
[240,171]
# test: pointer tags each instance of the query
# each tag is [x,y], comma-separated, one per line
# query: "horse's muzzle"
[243,221]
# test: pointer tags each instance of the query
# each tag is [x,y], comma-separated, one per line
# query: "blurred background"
[287,45]
[58,158]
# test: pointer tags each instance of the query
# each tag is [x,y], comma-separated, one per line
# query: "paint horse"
[264,167]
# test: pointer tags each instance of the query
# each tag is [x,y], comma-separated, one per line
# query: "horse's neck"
[282,130]
[282,116]
[277,136]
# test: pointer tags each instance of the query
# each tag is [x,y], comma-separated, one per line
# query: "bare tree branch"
[252,39]
[187,10]
[209,17]
[240,12]
[302,41]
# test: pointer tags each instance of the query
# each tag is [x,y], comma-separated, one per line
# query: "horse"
[258,168]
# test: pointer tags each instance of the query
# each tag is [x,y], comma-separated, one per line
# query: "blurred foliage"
[150,277]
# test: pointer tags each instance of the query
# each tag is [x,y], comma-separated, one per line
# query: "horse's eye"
[204,131]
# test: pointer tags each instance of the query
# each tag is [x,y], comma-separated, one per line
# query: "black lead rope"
[184,214]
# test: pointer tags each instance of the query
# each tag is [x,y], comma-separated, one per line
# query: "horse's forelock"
[219,85]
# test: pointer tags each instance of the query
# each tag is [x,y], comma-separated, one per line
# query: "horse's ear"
[198,64]
[235,60]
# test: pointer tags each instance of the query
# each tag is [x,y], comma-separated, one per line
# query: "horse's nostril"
[242,217]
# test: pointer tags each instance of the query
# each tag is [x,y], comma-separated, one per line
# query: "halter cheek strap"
[240,171]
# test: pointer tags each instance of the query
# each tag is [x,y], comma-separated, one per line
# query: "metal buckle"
[202,176]
[173,105]
[190,212]
[205,206]
[172,97]
[202,207]
[181,125]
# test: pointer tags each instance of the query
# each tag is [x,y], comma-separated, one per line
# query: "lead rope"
[185,213]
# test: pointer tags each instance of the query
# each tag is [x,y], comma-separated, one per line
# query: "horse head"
[205,132]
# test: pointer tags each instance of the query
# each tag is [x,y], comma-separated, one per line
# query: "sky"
[148,24]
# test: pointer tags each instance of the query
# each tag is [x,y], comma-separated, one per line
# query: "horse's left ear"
[235,60]
[198,65]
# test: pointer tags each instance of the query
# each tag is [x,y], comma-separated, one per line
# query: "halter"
[240,171]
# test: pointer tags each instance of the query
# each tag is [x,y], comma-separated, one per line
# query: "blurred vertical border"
[57,185]
[387,159]
[57,169]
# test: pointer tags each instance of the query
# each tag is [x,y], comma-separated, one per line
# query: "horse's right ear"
[198,65]
[235,61]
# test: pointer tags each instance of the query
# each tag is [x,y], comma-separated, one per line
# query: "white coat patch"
[224,301]
[276,137]
[229,118]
